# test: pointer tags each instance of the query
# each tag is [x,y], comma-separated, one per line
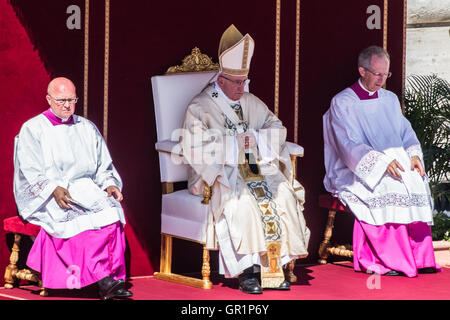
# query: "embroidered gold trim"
[236,72]
[385,27]
[385,23]
[272,275]
[297,71]
[106,72]
[86,58]
[277,57]
[245,55]
[404,55]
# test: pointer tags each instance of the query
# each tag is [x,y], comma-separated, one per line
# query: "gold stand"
[12,273]
[325,249]
[166,267]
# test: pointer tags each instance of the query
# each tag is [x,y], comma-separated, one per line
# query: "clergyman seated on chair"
[65,182]
[235,144]
[374,164]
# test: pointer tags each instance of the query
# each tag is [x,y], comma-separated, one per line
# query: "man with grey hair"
[374,165]
[365,56]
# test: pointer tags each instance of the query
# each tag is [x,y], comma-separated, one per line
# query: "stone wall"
[428,37]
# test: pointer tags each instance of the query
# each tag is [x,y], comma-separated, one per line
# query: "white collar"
[219,89]
[362,86]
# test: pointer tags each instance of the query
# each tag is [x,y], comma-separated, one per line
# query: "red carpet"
[319,282]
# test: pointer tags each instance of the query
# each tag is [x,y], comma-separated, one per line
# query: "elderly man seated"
[65,182]
[235,144]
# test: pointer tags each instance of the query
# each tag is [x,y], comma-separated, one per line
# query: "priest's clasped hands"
[394,167]
[63,198]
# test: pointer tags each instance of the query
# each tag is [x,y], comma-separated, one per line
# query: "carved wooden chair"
[326,249]
[13,275]
[184,215]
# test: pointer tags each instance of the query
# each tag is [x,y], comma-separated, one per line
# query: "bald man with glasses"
[374,165]
[65,182]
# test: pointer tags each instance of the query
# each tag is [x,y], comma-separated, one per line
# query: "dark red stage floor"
[319,282]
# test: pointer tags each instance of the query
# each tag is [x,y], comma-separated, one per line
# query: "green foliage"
[441,227]
[427,107]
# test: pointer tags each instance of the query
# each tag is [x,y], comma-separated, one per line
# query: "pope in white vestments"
[374,165]
[65,182]
[256,216]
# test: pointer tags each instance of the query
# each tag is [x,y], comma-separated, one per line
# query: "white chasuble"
[361,138]
[72,156]
[209,145]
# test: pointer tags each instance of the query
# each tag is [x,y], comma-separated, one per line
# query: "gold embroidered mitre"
[235,52]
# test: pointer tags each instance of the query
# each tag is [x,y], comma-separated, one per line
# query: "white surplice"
[361,138]
[209,145]
[74,157]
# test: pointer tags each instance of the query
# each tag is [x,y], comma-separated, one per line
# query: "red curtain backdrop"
[147,37]
[331,37]
[23,83]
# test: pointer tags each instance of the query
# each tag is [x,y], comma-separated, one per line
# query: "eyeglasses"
[236,82]
[61,102]
[378,74]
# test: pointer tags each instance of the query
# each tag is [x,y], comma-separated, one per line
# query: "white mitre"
[235,52]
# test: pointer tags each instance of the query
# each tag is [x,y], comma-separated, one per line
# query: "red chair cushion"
[330,202]
[17,225]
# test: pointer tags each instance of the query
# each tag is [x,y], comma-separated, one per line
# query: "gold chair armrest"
[295,151]
[206,194]
[168,187]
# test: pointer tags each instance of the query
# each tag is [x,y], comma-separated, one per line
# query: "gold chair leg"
[166,254]
[323,249]
[206,269]
[12,272]
[166,267]
[12,269]
[289,273]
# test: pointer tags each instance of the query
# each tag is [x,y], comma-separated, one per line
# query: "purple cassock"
[82,259]
[363,132]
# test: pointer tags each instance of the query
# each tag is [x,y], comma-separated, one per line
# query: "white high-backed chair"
[183,215]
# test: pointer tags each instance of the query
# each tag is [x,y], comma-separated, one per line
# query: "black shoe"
[249,280]
[427,270]
[123,293]
[250,285]
[394,273]
[107,287]
[284,286]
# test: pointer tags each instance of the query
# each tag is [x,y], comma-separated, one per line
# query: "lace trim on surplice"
[98,206]
[367,163]
[390,200]
[414,150]
[31,192]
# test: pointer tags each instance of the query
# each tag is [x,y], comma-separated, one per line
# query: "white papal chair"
[184,215]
